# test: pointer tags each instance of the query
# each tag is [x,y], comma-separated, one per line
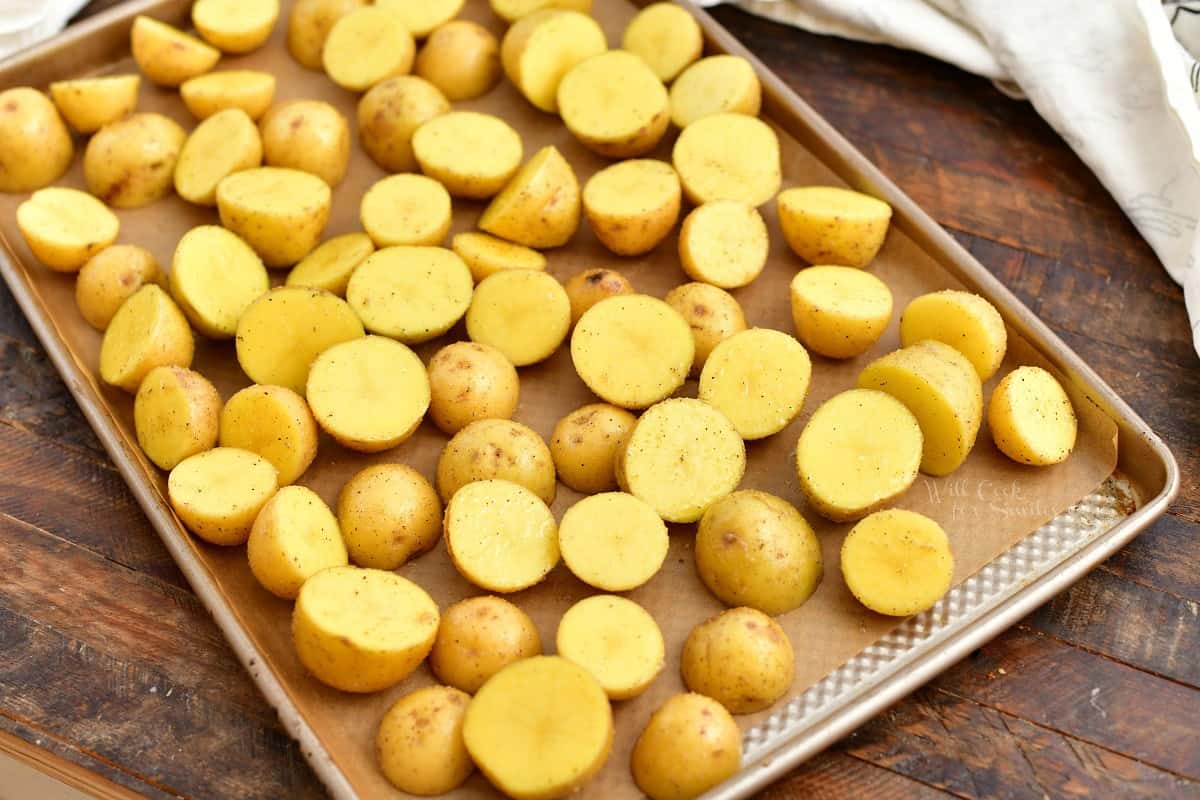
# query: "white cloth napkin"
[1118,80]
[26,22]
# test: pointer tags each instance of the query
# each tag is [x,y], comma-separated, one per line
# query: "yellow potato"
[225,143]
[831,225]
[281,213]
[331,264]
[754,549]
[715,85]
[860,450]
[167,55]
[389,514]
[175,415]
[666,37]
[713,315]
[413,294]
[308,135]
[389,114]
[497,449]
[541,728]
[88,104]
[362,630]
[281,333]
[250,90]
[682,456]
[965,321]
[218,493]
[612,541]
[479,637]
[512,10]
[37,145]
[897,562]
[406,210]
[1031,417]
[585,445]
[462,58]
[500,536]
[728,156]
[741,658]
[633,205]
[522,313]
[369,394]
[309,25]
[839,312]
[273,422]
[540,206]
[614,104]
[632,350]
[942,390]
[472,154]
[469,381]
[614,639]
[147,331]
[724,243]
[366,46]
[589,287]
[294,537]
[419,744]
[235,26]
[485,254]
[690,745]
[421,17]
[130,163]
[66,227]
[758,379]
[215,276]
[109,278]
[541,47]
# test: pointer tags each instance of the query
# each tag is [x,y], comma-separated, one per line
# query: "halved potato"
[633,205]
[614,639]
[666,37]
[462,58]
[589,287]
[88,104]
[713,315]
[541,47]
[965,321]
[831,225]
[294,537]
[690,745]
[250,90]
[225,143]
[275,423]
[330,266]
[612,541]
[131,162]
[724,243]
[470,381]
[500,535]
[497,449]
[410,293]
[367,46]
[472,154]
[422,16]
[839,312]
[1031,417]
[175,415]
[389,514]
[540,206]
[235,26]
[218,493]
[512,10]
[585,446]
[147,331]
[728,156]
[388,115]
[485,254]
[758,379]
[479,637]
[281,213]
[66,227]
[110,277]
[715,85]
[215,276]
[309,25]
[614,104]
[167,55]
[897,562]
[308,135]
[524,314]
[37,145]
[406,210]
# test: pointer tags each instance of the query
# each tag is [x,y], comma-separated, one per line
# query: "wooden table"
[110,667]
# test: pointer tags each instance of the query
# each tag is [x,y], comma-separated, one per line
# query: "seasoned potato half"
[942,389]
[131,162]
[469,382]
[724,243]
[614,104]
[682,456]
[281,213]
[175,415]
[860,450]
[831,225]
[497,449]
[728,156]
[713,315]
[419,744]
[235,26]
[389,513]
[500,535]
[110,277]
[479,637]
[965,321]
[421,17]
[522,313]
[715,85]
[218,493]
[741,658]
[37,145]
[308,135]
[309,25]
[758,379]
[585,445]
[666,37]
[1031,417]
[389,114]
[612,541]
[590,286]
[147,331]
[410,293]
[485,254]
[541,47]
[225,143]
[406,210]
[897,562]
[250,90]
[367,46]
[275,423]
[362,630]
[839,312]
[294,537]
[540,206]
[331,264]
[215,276]
[88,104]
[167,55]
[462,58]
[512,10]
[66,227]
[690,745]
[614,639]
[472,154]
[632,350]
[369,394]
[633,205]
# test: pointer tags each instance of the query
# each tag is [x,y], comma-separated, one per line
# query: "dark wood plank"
[834,775]
[1166,557]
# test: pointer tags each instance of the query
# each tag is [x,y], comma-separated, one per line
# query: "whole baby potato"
[690,744]
[589,287]
[131,162]
[420,743]
[388,514]
[308,135]
[388,115]
[111,277]
[712,313]
[35,145]
[479,637]
[585,444]
[462,58]
[741,658]
[471,381]
[497,449]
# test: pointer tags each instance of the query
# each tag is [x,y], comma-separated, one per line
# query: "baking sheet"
[985,507]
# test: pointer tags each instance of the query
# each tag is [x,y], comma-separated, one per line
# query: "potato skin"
[308,135]
[35,145]
[388,514]
[829,225]
[175,413]
[468,382]
[309,25]
[131,162]
[478,637]
[66,227]
[250,90]
[741,658]
[540,207]
[390,113]
[147,331]
[281,213]
[497,449]
[275,423]
[462,58]
[712,313]
[167,55]
[209,17]
[690,744]
[420,746]
[585,444]
[589,287]
[294,537]
[111,277]
[633,205]
[839,312]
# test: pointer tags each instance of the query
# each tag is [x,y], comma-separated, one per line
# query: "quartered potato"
[421,17]
[758,379]
[666,37]
[309,25]
[215,276]
[633,205]
[479,637]
[389,514]
[612,541]
[512,10]
[66,227]
[308,135]
[897,562]
[614,104]
[741,658]
[500,535]
[585,446]
[235,26]
[485,254]
[522,313]
[589,287]
[131,162]
[839,312]
[37,145]
[713,315]
[331,264]
[831,225]
[406,210]
[616,640]
[167,55]
[147,331]
[388,115]
[468,382]
[250,90]
[294,537]
[218,493]
[540,207]
[472,154]
[965,321]
[281,213]
[541,47]
[725,243]
[690,745]
[497,449]
[225,143]
[88,104]
[462,58]
[109,278]
[175,415]
[715,85]
[419,744]
[728,156]
[1031,417]
[273,422]
[366,46]
[410,293]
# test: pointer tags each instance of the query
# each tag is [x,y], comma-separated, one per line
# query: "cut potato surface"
[235,26]
[130,163]
[542,47]
[741,658]
[500,535]
[613,541]
[497,449]
[215,276]
[682,456]
[633,205]
[147,331]
[512,10]
[330,266]
[965,321]
[831,225]
[585,445]
[523,314]
[66,227]
[485,254]
[728,156]
[462,58]
[250,90]
[715,85]
[422,16]
[420,746]
[110,277]
[666,37]
[294,537]
[589,287]
[370,393]
[308,135]
[540,206]
[540,728]
[472,154]
[724,243]
[88,104]
[860,450]
[410,293]
[614,639]
[839,312]
[218,493]
[1031,417]
[273,422]
[389,114]
[175,415]
[470,381]
[479,637]
[713,315]
[367,46]
[225,143]
[632,350]
[281,213]
[281,333]
[897,562]
[406,210]
[614,104]
[389,513]
[758,379]
[362,630]
[309,24]
[690,745]
[167,55]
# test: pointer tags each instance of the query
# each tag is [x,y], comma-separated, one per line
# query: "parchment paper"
[986,506]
